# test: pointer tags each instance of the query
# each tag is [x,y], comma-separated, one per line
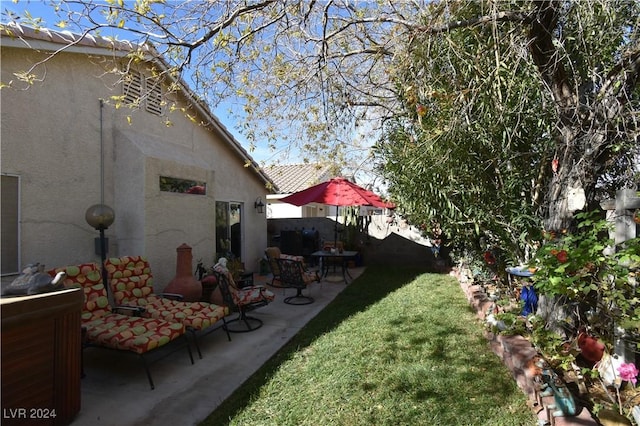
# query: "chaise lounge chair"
[131,283]
[102,327]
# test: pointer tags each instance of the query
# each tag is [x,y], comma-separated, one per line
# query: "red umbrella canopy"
[337,192]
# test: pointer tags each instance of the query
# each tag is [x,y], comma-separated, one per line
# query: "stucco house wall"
[62,141]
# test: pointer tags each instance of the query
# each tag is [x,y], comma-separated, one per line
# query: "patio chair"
[242,300]
[103,327]
[293,275]
[273,254]
[131,283]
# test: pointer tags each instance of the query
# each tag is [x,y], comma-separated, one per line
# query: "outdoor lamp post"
[100,217]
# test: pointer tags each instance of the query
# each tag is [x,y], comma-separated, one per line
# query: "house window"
[138,91]
[228,230]
[10,212]
[183,186]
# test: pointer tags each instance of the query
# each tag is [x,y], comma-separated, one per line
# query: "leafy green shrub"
[583,267]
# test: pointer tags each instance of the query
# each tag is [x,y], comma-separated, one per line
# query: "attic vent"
[133,89]
[138,91]
[154,96]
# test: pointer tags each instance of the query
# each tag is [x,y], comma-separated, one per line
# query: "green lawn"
[396,347]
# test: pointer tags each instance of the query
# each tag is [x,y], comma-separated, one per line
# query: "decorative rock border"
[519,356]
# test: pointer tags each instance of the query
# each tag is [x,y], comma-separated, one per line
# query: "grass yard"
[396,347]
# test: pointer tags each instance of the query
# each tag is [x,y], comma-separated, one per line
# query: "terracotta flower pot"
[590,347]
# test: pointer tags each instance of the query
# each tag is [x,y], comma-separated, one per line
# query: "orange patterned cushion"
[310,276]
[292,257]
[132,284]
[111,330]
[274,253]
[130,279]
[253,294]
[88,276]
[133,334]
[197,315]
[246,295]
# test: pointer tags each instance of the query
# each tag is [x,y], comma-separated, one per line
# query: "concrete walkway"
[115,390]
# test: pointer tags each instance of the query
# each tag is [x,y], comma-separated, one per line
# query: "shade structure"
[337,192]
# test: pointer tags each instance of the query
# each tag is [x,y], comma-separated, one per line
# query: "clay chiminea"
[184,282]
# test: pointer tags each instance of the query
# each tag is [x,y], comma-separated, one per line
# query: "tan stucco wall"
[50,137]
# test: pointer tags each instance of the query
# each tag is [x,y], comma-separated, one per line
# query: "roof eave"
[19,36]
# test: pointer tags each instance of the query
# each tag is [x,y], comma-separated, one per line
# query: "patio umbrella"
[337,192]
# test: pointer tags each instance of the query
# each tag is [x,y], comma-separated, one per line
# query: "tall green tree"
[547,86]
[470,152]
[516,118]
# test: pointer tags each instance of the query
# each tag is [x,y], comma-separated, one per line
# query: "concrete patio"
[115,390]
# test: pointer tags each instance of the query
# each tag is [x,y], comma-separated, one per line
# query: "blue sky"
[42,9]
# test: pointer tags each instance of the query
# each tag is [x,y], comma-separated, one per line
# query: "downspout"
[101,155]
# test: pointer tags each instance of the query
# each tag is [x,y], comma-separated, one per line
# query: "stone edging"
[518,355]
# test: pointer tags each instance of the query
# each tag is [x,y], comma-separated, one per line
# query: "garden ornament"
[608,368]
[33,280]
[221,265]
[552,385]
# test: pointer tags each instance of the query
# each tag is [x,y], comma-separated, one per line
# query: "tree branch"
[508,16]
[224,24]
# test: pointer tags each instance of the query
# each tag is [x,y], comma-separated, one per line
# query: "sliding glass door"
[229,229]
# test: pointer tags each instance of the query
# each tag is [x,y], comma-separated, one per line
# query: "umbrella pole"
[335,231]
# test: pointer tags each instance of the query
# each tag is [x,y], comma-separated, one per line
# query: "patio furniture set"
[138,320]
[128,315]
